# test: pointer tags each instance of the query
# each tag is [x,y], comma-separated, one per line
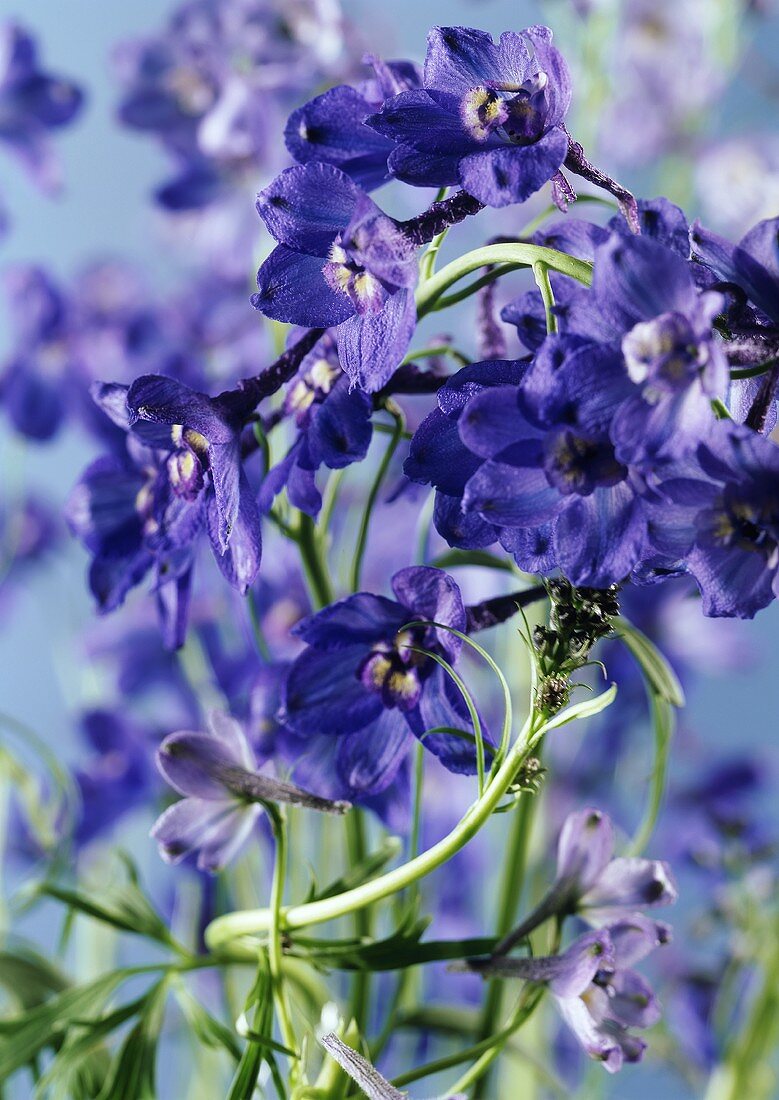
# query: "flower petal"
[509,174]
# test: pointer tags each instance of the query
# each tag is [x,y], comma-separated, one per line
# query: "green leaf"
[586,709]
[133,1071]
[453,559]
[28,977]
[653,664]
[23,1037]
[663,725]
[206,1028]
[245,1080]
[122,905]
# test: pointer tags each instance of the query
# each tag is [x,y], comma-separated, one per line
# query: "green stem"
[457,296]
[357,849]
[362,537]
[510,896]
[522,255]
[314,565]
[525,1008]
[541,276]
[754,371]
[275,950]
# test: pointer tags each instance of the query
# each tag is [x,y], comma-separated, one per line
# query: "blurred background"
[672,97]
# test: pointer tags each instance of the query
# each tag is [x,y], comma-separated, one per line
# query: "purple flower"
[116,778]
[718,515]
[592,882]
[334,429]
[224,794]
[488,117]
[362,682]
[331,128]
[340,262]
[594,987]
[32,102]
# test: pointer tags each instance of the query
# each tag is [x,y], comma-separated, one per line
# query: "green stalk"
[232,926]
[260,641]
[362,537]
[314,565]
[520,255]
[357,849]
[541,276]
[275,951]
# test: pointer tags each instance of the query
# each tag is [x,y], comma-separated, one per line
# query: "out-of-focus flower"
[32,103]
[223,794]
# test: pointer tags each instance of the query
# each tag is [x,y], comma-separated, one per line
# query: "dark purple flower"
[717,514]
[223,794]
[488,117]
[331,128]
[340,262]
[362,682]
[32,102]
[334,428]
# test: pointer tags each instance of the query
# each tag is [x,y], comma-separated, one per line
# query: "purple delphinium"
[146,507]
[340,262]
[32,103]
[594,883]
[363,683]
[223,794]
[646,307]
[333,428]
[716,516]
[489,117]
[331,127]
[595,989]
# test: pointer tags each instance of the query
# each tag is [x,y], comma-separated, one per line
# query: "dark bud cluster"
[578,618]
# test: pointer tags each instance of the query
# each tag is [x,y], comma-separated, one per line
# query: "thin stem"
[516,254]
[357,849]
[260,640]
[362,537]
[419,782]
[275,951]
[525,1008]
[489,277]
[754,371]
[314,565]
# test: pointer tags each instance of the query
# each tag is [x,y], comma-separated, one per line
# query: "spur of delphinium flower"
[363,681]
[212,84]
[716,516]
[331,127]
[223,793]
[32,103]
[595,989]
[489,117]
[645,307]
[594,883]
[333,424]
[340,263]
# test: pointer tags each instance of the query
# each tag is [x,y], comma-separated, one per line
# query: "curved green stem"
[541,276]
[521,255]
[314,564]
[362,537]
[357,849]
[232,926]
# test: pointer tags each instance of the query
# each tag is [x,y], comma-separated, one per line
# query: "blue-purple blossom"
[32,103]
[223,794]
[489,117]
[332,129]
[333,428]
[363,682]
[717,517]
[340,262]
[116,777]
